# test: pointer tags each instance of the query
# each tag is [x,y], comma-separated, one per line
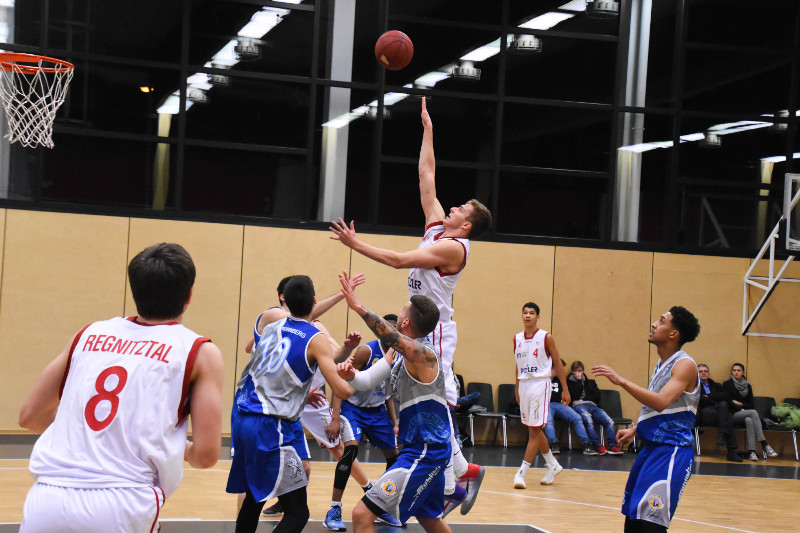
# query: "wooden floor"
[580,500]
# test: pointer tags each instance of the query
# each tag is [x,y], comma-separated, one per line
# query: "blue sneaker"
[386,518]
[471,481]
[333,520]
[451,501]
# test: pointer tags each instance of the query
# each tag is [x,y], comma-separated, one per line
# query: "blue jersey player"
[414,485]
[364,413]
[664,463]
[269,398]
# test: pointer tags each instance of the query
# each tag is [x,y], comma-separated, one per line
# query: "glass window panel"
[740,82]
[463,130]
[565,69]
[252,111]
[98,171]
[660,91]
[742,23]
[250,38]
[556,137]
[117,97]
[463,11]
[714,218]
[244,183]
[564,206]
[145,29]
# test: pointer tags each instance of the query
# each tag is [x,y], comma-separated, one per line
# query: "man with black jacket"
[713,411]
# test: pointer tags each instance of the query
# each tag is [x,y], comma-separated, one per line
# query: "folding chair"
[487,401]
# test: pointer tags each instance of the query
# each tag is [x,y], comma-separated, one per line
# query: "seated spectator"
[585,399]
[741,394]
[564,412]
[714,411]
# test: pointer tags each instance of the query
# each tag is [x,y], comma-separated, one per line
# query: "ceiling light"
[546,21]
[525,43]
[247,50]
[466,71]
[484,52]
[146,89]
[262,22]
[602,8]
[196,94]
[711,140]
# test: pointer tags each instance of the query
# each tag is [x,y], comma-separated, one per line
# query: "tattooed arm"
[420,361]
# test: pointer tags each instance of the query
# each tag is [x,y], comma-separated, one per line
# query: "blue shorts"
[372,421]
[656,482]
[414,485]
[266,462]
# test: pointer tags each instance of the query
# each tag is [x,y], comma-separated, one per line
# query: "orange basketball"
[394,50]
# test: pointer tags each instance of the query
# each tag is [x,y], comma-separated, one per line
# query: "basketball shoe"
[471,481]
[451,501]
[550,474]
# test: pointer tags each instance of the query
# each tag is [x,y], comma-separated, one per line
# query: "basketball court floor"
[720,497]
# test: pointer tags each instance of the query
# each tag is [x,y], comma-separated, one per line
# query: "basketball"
[394,50]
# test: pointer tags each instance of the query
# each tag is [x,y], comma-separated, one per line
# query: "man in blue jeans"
[585,399]
[564,412]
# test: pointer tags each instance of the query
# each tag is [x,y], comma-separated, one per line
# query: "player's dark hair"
[161,279]
[423,313]
[531,305]
[480,218]
[299,295]
[686,324]
[390,317]
[282,287]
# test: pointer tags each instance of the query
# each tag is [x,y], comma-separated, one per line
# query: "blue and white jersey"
[674,424]
[277,378]
[424,413]
[377,396]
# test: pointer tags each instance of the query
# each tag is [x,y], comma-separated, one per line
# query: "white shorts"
[444,338]
[315,420]
[534,401]
[68,509]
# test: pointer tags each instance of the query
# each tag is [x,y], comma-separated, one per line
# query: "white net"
[32,89]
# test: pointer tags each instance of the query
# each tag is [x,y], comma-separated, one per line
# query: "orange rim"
[10,61]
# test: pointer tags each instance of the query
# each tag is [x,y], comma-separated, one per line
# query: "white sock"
[549,459]
[523,469]
[460,464]
[449,480]
[336,504]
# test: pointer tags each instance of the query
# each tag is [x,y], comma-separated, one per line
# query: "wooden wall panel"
[386,289]
[498,280]
[601,312]
[711,288]
[60,273]
[216,250]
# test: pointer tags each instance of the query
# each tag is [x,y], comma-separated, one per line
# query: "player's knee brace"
[344,466]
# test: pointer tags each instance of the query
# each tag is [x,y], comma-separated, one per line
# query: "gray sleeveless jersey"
[424,414]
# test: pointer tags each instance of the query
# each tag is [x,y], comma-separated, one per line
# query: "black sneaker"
[554,447]
[734,457]
[588,449]
[273,510]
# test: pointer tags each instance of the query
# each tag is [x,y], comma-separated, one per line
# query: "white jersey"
[533,361]
[122,419]
[431,282]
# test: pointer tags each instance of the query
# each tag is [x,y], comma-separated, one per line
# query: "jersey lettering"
[105,394]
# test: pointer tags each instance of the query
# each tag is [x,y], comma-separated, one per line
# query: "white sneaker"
[519,481]
[550,474]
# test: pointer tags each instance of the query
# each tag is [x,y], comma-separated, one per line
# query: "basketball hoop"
[32,88]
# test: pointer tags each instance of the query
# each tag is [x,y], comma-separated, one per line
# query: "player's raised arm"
[427,172]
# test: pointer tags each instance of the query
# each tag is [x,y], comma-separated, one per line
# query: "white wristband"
[372,377]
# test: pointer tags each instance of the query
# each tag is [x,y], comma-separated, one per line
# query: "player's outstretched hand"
[346,370]
[342,233]
[353,340]
[427,123]
[349,292]
[357,280]
[316,397]
[607,371]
